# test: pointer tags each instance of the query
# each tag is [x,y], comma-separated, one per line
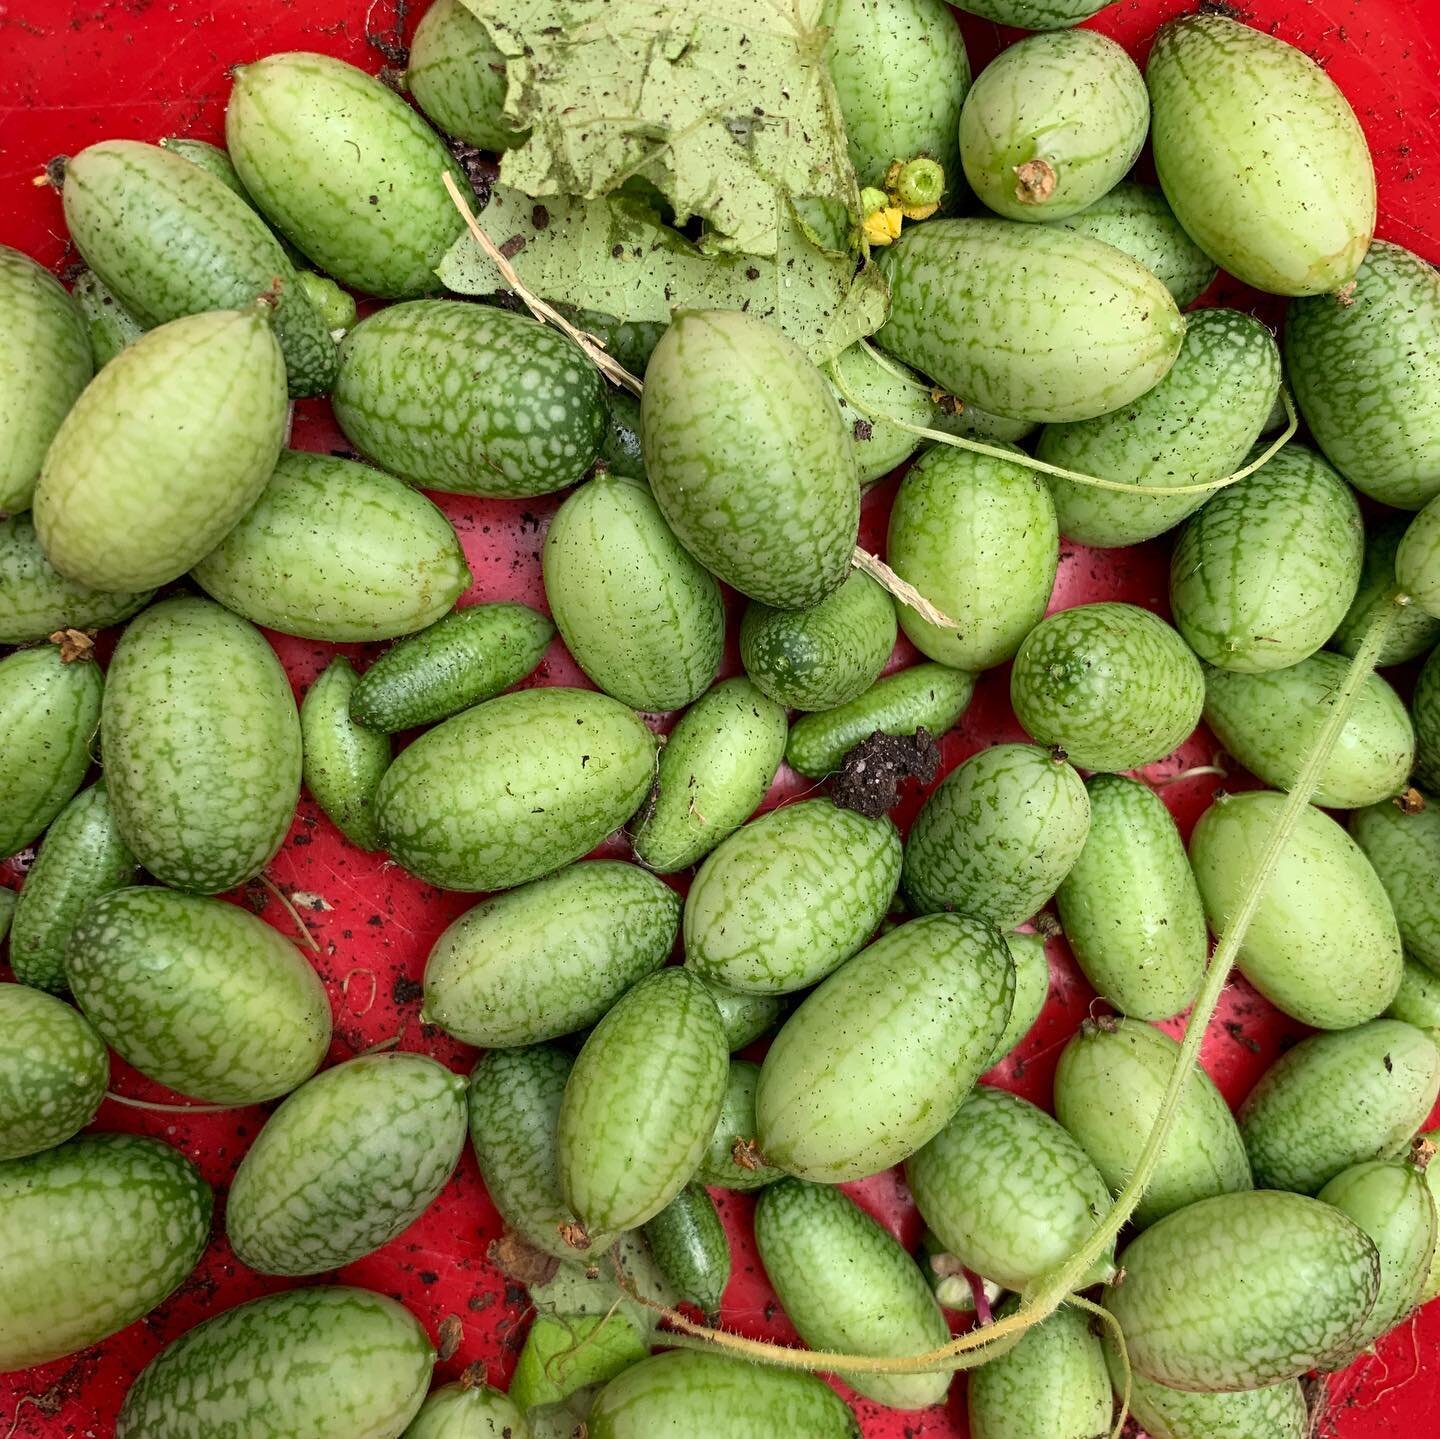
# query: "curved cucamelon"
[885,392]
[514,788]
[53,1072]
[1412,631]
[688,1243]
[109,325]
[1032,989]
[875,1061]
[457,77]
[463,1410]
[1417,559]
[1403,846]
[732,1160]
[337,551]
[343,762]
[346,1163]
[550,957]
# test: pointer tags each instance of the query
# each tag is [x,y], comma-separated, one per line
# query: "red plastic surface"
[75,71]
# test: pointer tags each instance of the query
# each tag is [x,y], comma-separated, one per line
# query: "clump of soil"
[871,774]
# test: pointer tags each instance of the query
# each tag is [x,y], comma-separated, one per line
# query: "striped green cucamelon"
[1323,945]
[1032,989]
[514,788]
[45,362]
[1052,124]
[1033,14]
[1052,1385]
[1130,907]
[1365,365]
[53,1071]
[684,1393]
[749,458]
[821,657]
[998,835]
[464,1410]
[714,771]
[514,1106]
[976,535]
[468,656]
[1412,632]
[847,1285]
[36,599]
[49,711]
[109,325]
[1417,559]
[469,399]
[688,1243]
[550,957]
[1136,219]
[926,696]
[169,239]
[789,897]
[734,1137]
[343,761]
[875,1061]
[346,1163]
[1403,846]
[1197,424]
[885,392]
[198,994]
[456,75]
[1266,569]
[337,551]
[1417,1001]
[1337,1100]
[1269,722]
[744,1017]
[214,160]
[95,1234]
[640,1105]
[1108,1088]
[1285,200]
[82,859]
[636,610]
[1028,321]
[1244,1290]
[1111,686]
[164,452]
[1425,711]
[313,140]
[202,745]
[328,1363]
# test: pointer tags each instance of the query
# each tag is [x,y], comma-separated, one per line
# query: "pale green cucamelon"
[463,1410]
[457,77]
[53,1072]
[343,761]
[1403,845]
[744,1017]
[1417,1001]
[109,325]
[1412,631]
[1032,989]
[885,392]
[734,1137]
[1417,559]
[1033,14]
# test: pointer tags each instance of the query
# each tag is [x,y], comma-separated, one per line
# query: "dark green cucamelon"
[1032,989]
[463,1410]
[1417,559]
[110,326]
[1425,711]
[688,1243]
[1417,1001]
[733,1160]
[1403,846]
[620,449]
[1412,631]
[7,909]
[343,760]
[457,77]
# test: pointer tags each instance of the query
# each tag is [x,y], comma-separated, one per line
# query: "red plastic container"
[76,71]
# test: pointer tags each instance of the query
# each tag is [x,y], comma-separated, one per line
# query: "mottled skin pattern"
[1008,1190]
[1136,219]
[346,1163]
[1425,711]
[1052,1385]
[1417,559]
[926,696]
[1244,1290]
[1260,155]
[1417,1001]
[1265,571]
[744,1017]
[308,134]
[44,364]
[36,599]
[53,1071]
[108,324]
[1197,424]
[1412,632]
[641,1102]
[1405,852]
[95,1234]
[1033,14]
[323,1363]
[515,787]
[1072,100]
[337,551]
[714,770]
[1130,907]
[514,1106]
[1108,1087]
[877,1059]
[737,1121]
[1269,722]
[749,458]
[998,836]
[688,1243]
[1366,375]
[49,711]
[847,1285]
[343,762]
[469,399]
[457,77]
[202,745]
[790,896]
[467,1411]
[977,537]
[1338,1099]
[169,239]
[551,957]
[164,452]
[1323,945]
[1032,989]
[680,1394]
[1027,321]
[198,994]
[639,614]
[879,445]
